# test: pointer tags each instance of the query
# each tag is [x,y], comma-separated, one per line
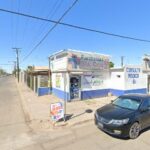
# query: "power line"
[5,64]
[43,25]
[51,29]
[78,27]
[28,6]
[17,23]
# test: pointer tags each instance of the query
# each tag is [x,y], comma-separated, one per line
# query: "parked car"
[126,116]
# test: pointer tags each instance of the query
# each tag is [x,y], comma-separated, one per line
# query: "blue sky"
[128,17]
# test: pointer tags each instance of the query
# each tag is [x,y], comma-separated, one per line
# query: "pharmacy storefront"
[78,75]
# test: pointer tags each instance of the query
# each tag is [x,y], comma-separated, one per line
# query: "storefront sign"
[58,80]
[93,63]
[56,111]
[133,74]
[84,61]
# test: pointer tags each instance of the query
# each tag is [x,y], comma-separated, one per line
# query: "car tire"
[134,130]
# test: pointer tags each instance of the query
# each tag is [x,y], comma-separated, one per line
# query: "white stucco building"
[129,79]
[79,75]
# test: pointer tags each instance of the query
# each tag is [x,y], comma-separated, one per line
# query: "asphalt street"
[16,134]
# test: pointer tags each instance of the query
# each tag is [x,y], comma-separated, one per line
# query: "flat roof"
[79,51]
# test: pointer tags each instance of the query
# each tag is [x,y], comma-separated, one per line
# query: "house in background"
[37,78]
[146,70]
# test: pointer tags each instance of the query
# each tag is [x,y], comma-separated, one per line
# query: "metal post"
[65,96]
[49,76]
[15,67]
[122,61]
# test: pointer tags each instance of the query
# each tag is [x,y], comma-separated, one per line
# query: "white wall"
[117,80]
[59,64]
[58,81]
[131,78]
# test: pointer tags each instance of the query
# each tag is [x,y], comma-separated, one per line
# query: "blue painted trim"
[94,93]
[143,91]
[117,92]
[43,91]
[61,94]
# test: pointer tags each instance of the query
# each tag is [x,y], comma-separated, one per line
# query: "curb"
[22,102]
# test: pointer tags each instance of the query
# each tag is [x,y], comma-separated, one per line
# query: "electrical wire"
[12,25]
[43,25]
[51,14]
[26,22]
[78,27]
[51,29]
[17,23]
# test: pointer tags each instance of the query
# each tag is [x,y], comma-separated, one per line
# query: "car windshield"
[127,103]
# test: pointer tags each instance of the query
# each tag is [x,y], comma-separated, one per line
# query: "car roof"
[136,96]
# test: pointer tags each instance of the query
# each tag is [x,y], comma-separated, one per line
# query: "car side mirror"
[112,101]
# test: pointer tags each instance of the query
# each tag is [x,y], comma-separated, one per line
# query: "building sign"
[58,80]
[56,111]
[93,63]
[133,74]
[88,62]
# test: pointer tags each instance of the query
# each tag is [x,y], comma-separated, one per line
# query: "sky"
[128,17]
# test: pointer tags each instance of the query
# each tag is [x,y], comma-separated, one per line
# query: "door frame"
[79,77]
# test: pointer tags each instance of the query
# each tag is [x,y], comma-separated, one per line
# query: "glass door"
[75,92]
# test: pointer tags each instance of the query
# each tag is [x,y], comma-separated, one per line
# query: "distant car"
[126,116]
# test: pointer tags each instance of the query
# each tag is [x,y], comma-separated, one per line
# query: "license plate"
[100,125]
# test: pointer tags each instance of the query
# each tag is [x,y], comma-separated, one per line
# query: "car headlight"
[119,122]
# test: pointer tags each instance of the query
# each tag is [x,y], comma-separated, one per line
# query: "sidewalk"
[37,109]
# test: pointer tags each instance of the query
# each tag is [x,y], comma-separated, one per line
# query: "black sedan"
[126,116]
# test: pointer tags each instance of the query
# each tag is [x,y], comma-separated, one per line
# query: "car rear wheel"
[134,130]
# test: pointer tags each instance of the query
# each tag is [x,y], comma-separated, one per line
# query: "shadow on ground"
[72,116]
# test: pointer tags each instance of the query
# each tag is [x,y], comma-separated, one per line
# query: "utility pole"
[17,57]
[14,66]
[122,61]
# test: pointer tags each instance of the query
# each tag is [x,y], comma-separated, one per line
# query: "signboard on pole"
[56,111]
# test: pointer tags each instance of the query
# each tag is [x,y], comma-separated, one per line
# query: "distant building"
[37,78]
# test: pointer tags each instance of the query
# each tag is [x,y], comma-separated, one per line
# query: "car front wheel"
[134,130]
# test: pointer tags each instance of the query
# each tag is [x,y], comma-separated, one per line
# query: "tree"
[111,64]
[2,72]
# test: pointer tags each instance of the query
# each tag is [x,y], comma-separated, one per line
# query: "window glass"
[146,103]
[127,103]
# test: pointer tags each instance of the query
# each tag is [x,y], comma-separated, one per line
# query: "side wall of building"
[60,85]
[130,80]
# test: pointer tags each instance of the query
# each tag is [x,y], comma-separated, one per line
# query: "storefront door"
[75,85]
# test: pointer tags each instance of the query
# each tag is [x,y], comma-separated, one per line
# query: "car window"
[146,103]
[128,103]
